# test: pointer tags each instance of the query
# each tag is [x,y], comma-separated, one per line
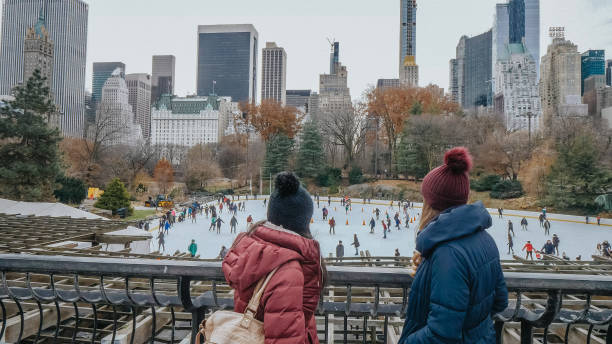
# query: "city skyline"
[292,28]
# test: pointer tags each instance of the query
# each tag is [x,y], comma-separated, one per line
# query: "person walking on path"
[510,227]
[555,242]
[193,248]
[459,284]
[510,244]
[219,222]
[372,225]
[233,224]
[546,227]
[356,244]
[161,242]
[283,244]
[339,251]
[524,223]
[332,226]
[529,249]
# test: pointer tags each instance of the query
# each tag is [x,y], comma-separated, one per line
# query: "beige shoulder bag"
[225,327]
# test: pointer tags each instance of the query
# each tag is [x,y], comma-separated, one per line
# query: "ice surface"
[576,237]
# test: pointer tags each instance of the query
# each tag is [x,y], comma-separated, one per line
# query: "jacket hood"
[268,247]
[451,224]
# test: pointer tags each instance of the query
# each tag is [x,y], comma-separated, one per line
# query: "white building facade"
[517,91]
[191,121]
[139,87]
[274,73]
[114,117]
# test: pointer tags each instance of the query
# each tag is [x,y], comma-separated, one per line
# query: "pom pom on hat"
[458,160]
[287,184]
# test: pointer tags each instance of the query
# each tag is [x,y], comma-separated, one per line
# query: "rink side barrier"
[162,296]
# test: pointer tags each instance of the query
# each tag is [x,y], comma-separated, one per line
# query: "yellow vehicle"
[161,201]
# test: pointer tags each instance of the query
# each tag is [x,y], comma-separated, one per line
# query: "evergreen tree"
[115,196]
[278,152]
[71,191]
[576,178]
[411,159]
[310,155]
[29,151]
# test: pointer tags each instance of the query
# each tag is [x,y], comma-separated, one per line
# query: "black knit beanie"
[290,205]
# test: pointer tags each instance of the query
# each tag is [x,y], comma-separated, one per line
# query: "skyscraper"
[298,98]
[593,63]
[408,69]
[609,72]
[334,94]
[139,88]
[38,51]
[560,82]
[471,79]
[227,61]
[101,72]
[163,76]
[517,96]
[114,114]
[66,23]
[517,22]
[274,73]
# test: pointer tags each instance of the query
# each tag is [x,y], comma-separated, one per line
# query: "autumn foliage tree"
[393,106]
[271,118]
[163,174]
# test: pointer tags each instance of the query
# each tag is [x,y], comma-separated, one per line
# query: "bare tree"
[346,128]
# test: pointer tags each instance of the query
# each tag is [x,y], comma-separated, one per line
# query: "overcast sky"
[132,31]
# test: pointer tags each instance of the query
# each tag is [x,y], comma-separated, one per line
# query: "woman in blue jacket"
[459,283]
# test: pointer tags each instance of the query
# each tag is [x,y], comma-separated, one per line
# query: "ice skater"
[325,212]
[524,223]
[233,224]
[161,242]
[372,225]
[339,251]
[332,226]
[546,227]
[219,222]
[193,248]
[212,223]
[249,221]
[529,249]
[356,244]
[510,227]
[555,242]
[510,244]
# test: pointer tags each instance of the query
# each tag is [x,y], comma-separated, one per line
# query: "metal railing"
[65,299]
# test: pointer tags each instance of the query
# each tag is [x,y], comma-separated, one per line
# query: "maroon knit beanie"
[448,185]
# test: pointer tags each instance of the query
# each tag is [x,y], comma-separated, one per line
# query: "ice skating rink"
[576,237]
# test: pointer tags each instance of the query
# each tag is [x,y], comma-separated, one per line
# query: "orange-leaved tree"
[391,107]
[163,174]
[270,118]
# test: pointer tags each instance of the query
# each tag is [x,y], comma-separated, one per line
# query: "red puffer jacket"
[291,297]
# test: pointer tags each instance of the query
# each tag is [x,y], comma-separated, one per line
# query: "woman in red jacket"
[283,241]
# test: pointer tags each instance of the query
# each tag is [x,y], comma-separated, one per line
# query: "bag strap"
[253,306]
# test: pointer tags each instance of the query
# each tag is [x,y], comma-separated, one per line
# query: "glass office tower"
[227,61]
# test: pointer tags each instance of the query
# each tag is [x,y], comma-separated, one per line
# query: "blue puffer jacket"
[459,284]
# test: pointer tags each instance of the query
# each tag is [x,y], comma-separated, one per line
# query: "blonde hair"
[427,216]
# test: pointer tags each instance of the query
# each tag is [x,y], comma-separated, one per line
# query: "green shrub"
[71,190]
[333,189]
[507,189]
[329,176]
[115,196]
[355,175]
[485,183]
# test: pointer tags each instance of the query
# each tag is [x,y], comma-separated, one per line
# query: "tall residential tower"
[66,23]
[274,73]
[139,88]
[227,61]
[408,69]
[101,72]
